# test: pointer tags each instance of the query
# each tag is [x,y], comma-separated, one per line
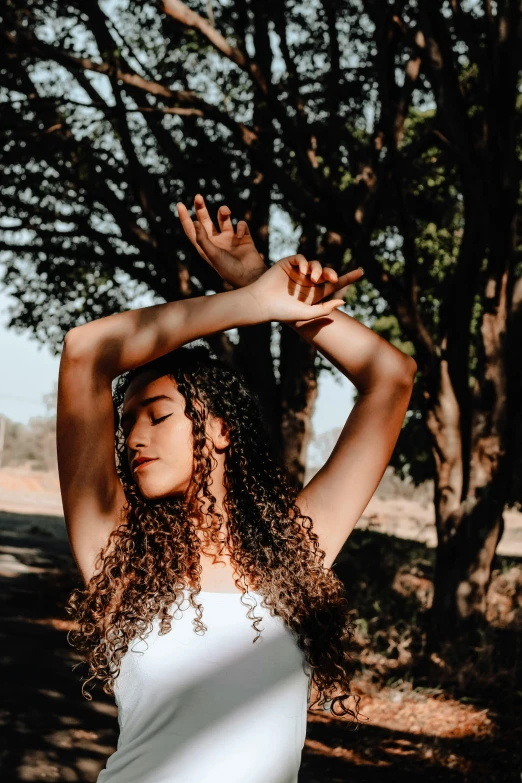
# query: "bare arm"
[92,356]
[337,495]
[99,351]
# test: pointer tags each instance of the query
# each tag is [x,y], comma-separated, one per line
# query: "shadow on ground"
[50,732]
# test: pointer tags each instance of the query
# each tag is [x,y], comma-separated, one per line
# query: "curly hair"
[153,555]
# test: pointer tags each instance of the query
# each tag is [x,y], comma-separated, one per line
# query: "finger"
[243,230]
[225,219]
[186,221]
[330,274]
[341,286]
[203,240]
[203,216]
[316,271]
[300,261]
[323,309]
[350,277]
[341,292]
[188,227]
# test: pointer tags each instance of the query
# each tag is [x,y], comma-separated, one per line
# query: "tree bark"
[298,393]
[463,569]
[470,495]
[254,354]
[298,375]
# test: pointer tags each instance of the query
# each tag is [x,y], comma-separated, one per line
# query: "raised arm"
[97,352]
[94,354]
[337,495]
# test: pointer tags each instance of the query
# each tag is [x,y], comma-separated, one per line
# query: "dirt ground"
[49,732]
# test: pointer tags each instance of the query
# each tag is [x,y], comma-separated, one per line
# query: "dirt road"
[49,732]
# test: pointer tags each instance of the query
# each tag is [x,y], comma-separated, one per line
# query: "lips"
[140,462]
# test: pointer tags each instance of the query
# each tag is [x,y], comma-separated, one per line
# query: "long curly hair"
[153,555]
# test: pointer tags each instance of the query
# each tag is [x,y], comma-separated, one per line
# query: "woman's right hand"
[287,291]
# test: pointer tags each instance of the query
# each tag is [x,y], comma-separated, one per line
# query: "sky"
[29,371]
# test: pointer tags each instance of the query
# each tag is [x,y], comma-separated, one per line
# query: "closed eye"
[126,432]
[162,418]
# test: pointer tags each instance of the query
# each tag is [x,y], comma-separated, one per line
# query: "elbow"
[74,347]
[80,349]
[403,373]
[408,372]
[411,369]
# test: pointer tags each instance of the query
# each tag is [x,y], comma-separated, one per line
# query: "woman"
[194,545]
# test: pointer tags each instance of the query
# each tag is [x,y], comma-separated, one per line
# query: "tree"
[388,133]
[34,443]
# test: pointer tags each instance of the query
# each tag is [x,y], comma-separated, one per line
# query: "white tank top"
[212,707]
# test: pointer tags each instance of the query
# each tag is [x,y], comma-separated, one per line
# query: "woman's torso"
[214,706]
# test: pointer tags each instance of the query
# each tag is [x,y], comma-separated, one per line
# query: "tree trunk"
[469,528]
[298,393]
[298,379]
[253,356]
[463,569]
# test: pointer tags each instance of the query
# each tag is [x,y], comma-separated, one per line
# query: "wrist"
[246,306]
[254,275]
[258,272]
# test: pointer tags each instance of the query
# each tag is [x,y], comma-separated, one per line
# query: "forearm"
[366,359]
[122,341]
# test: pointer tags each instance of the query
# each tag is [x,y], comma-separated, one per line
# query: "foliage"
[34,443]
[392,603]
[367,123]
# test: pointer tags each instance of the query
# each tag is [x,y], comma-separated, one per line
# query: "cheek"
[172,474]
[175,443]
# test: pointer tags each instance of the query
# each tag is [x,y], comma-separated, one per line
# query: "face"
[159,436]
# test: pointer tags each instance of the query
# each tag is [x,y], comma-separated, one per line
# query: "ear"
[219,432]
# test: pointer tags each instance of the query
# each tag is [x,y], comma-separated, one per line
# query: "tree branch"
[188,18]
[439,61]
[184,98]
[330,10]
[269,90]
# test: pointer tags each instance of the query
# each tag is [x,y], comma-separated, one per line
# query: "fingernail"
[362,270]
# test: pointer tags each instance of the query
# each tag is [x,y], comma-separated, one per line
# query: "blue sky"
[29,371]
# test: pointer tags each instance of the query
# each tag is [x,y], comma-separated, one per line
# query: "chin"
[152,491]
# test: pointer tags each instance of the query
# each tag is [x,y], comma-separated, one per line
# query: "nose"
[137,438]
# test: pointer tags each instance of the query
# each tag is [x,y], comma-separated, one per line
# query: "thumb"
[324,308]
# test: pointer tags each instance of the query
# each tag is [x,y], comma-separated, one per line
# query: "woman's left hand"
[294,289]
[232,253]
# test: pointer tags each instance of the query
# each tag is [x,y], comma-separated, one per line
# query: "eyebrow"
[143,404]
